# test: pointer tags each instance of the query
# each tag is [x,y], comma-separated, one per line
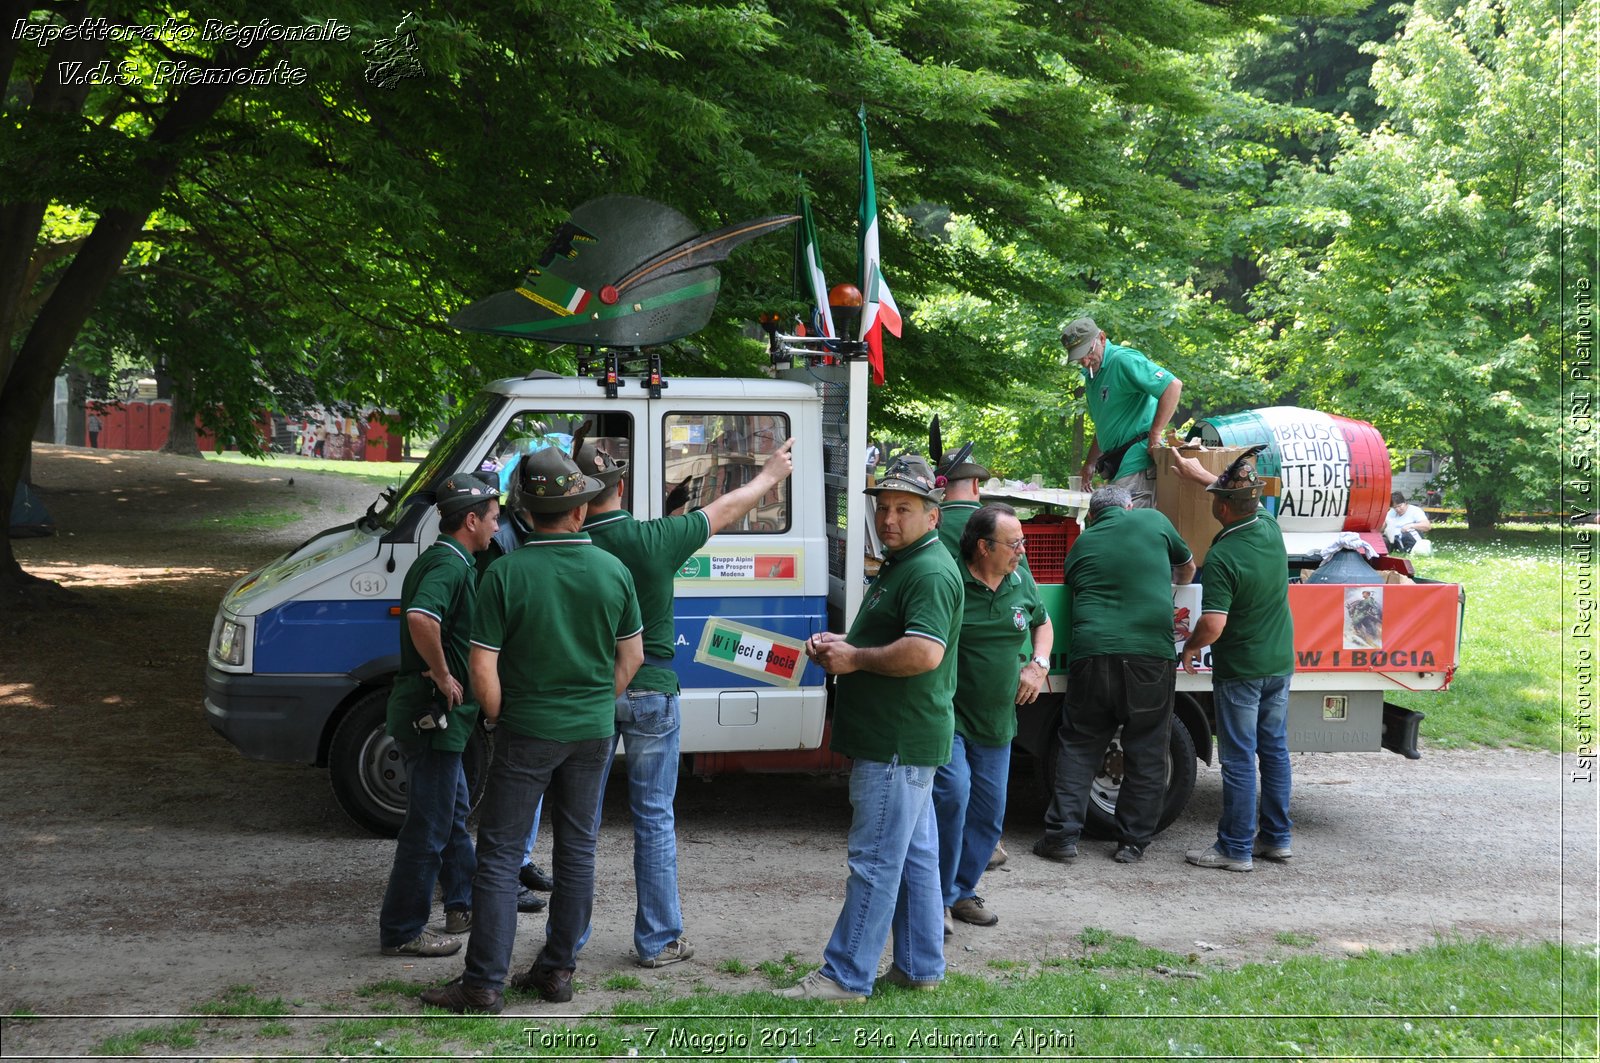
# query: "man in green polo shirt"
[556,637]
[1002,662]
[647,712]
[1121,670]
[893,716]
[1246,622]
[430,720]
[1130,400]
[960,498]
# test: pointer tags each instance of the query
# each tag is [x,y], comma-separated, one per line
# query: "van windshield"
[446,454]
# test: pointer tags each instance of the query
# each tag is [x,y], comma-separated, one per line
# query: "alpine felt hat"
[592,461]
[1239,480]
[908,473]
[1078,337]
[965,470]
[463,491]
[552,483]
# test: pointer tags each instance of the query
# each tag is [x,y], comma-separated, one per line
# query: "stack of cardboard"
[1188,504]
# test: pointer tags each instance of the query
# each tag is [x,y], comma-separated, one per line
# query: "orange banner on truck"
[1383,627]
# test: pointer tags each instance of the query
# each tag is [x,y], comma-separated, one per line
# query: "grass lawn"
[1506,691]
[1111,998]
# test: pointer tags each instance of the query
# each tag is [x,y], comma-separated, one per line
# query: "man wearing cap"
[1130,400]
[1001,663]
[556,637]
[960,484]
[647,712]
[1121,671]
[1245,620]
[893,717]
[430,720]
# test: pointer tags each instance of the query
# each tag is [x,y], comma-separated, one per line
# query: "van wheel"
[1100,820]
[369,774]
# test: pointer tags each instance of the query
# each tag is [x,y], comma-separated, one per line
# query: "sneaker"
[1213,857]
[1273,852]
[1128,854]
[818,986]
[462,999]
[551,983]
[675,952]
[529,901]
[949,923]
[458,921]
[999,856]
[895,976]
[536,878]
[1055,848]
[427,943]
[971,910]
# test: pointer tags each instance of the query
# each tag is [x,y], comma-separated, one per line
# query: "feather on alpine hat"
[1239,480]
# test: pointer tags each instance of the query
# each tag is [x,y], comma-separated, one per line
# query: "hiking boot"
[464,999]
[427,943]
[458,921]
[818,986]
[998,857]
[529,901]
[675,952]
[1055,848]
[536,878]
[895,976]
[551,983]
[1128,854]
[971,910]
[1213,857]
[949,923]
[1273,852]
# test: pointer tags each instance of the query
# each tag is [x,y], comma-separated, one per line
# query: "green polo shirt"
[1122,402]
[996,640]
[1247,578]
[1119,579]
[555,610]
[917,592]
[953,517]
[440,584]
[653,551]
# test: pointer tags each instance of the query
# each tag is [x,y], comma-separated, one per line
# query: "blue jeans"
[533,835]
[1252,725]
[969,804]
[647,721]
[524,771]
[894,878]
[433,845]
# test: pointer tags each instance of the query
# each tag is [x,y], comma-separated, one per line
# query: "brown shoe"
[464,999]
[971,910]
[551,983]
[998,857]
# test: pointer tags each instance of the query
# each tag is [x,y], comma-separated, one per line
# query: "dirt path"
[149,866]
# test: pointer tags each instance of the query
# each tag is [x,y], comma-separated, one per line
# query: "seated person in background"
[1404,524]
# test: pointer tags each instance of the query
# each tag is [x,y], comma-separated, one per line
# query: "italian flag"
[808,264]
[879,311]
[553,293]
[752,652]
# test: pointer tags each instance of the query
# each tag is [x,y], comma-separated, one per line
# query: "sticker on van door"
[767,567]
[752,652]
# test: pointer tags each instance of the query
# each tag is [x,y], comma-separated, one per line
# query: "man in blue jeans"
[647,712]
[555,638]
[436,601]
[1245,620]
[894,716]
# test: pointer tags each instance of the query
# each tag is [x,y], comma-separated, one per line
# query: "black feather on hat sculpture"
[1239,480]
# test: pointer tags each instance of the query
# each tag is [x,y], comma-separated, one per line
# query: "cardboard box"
[1187,504]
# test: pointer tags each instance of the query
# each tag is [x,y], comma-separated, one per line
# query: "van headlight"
[230,643]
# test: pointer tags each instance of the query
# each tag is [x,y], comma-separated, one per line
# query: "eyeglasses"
[1016,545]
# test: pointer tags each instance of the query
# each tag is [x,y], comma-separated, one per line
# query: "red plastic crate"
[1049,539]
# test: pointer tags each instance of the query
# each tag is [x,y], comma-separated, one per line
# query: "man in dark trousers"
[430,720]
[556,637]
[1121,670]
[648,718]
[1246,622]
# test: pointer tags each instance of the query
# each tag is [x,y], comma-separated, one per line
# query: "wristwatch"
[1042,662]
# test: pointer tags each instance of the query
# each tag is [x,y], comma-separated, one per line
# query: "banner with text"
[752,652]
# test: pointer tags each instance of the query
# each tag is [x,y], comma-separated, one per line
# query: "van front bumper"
[274,717]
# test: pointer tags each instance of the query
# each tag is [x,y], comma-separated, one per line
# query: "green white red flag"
[808,265]
[878,310]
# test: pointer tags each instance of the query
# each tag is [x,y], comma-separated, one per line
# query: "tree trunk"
[1483,513]
[182,438]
